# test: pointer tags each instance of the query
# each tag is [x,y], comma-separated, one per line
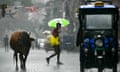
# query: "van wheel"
[100,69]
[115,67]
[82,67]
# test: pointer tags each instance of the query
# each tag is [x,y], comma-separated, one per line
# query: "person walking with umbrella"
[55,42]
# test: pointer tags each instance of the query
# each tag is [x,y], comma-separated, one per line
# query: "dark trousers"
[56,52]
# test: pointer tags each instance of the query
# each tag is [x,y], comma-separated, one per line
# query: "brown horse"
[20,42]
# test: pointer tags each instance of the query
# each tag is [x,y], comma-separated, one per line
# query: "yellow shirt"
[54,40]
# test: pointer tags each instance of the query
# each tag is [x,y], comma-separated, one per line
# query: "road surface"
[36,62]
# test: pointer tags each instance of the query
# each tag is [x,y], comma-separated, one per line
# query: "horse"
[20,42]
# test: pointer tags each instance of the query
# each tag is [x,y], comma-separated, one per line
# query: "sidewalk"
[36,62]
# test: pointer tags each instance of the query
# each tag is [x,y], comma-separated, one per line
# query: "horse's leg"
[25,58]
[16,58]
[21,60]
[24,61]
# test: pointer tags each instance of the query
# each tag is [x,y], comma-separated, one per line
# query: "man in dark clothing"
[6,42]
[56,46]
[3,7]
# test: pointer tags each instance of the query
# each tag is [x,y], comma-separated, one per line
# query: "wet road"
[36,62]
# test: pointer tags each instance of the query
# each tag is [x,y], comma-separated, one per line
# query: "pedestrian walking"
[5,40]
[3,7]
[55,43]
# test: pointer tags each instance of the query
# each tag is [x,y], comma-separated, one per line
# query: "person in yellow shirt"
[55,43]
[54,40]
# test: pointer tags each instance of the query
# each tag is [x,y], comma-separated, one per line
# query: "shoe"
[47,59]
[59,63]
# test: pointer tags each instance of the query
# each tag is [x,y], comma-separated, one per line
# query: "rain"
[33,16]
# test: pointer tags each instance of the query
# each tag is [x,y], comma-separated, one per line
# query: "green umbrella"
[62,21]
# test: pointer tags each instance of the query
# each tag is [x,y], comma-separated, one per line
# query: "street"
[84,25]
[36,62]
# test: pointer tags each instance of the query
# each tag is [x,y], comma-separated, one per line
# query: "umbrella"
[62,21]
